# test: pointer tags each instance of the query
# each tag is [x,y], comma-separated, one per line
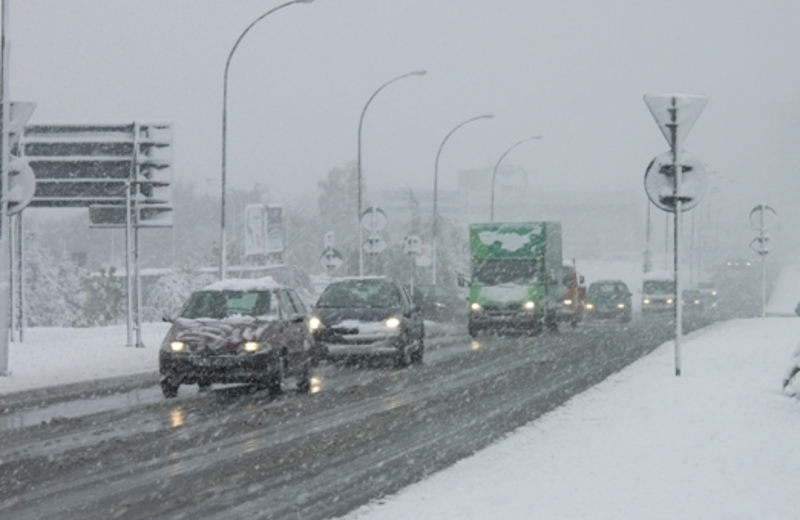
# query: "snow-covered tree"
[104,302]
[171,291]
[53,294]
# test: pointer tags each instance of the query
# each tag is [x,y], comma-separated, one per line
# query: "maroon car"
[238,331]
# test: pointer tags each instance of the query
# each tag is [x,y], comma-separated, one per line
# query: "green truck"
[516,276]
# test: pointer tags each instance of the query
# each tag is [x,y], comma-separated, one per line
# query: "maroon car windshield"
[225,304]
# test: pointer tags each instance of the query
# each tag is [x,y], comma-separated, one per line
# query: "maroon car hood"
[217,336]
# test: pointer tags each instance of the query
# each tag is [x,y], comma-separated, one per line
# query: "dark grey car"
[368,317]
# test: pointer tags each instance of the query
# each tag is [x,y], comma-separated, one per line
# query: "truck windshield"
[498,271]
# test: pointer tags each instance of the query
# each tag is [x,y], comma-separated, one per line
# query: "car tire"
[168,388]
[402,358]
[473,330]
[304,380]
[273,382]
[419,353]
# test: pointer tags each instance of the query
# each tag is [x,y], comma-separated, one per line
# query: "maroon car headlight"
[251,346]
[177,346]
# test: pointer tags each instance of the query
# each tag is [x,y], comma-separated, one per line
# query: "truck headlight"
[646,301]
[529,305]
[567,302]
[669,301]
[251,346]
[177,346]
[589,306]
[475,306]
[620,306]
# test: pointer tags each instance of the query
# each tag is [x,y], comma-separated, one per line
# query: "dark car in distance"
[439,304]
[608,299]
[238,331]
[368,317]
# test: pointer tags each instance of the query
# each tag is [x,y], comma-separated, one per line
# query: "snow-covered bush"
[53,296]
[171,291]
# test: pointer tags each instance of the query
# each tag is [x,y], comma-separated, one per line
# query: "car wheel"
[274,380]
[402,358]
[304,380]
[168,388]
[473,330]
[419,353]
[551,322]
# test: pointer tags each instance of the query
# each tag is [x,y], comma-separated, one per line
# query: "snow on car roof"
[242,284]
[358,278]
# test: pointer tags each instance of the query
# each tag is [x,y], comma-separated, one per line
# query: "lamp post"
[360,124]
[436,183]
[222,241]
[494,173]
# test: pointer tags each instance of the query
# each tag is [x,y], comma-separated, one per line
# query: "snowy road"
[364,433]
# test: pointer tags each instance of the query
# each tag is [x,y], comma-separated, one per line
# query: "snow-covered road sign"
[675,114]
[763,217]
[762,245]
[659,181]
[331,258]
[374,245]
[373,219]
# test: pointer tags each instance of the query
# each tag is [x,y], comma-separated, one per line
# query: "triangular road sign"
[675,114]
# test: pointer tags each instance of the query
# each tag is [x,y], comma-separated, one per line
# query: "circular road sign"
[21,185]
[763,216]
[659,181]
[373,219]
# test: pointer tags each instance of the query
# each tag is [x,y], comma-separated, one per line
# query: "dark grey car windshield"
[606,289]
[496,271]
[658,287]
[370,294]
[225,304]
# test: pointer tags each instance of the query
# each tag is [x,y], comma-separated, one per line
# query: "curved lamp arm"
[360,125]
[222,240]
[496,166]
[436,184]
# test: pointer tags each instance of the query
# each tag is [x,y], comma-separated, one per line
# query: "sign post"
[5,249]
[763,217]
[675,115]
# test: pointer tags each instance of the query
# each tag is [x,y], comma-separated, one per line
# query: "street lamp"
[494,173]
[436,182]
[360,124]
[222,244]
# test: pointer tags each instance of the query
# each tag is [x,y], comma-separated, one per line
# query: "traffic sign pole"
[5,286]
[677,263]
[675,115]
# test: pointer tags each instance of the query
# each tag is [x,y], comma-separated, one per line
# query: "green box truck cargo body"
[516,273]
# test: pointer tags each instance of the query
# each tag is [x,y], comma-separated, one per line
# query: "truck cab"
[516,276]
[574,289]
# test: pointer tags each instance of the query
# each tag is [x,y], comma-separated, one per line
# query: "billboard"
[275,230]
[255,230]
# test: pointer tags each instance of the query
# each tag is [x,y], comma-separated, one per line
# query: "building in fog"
[594,224]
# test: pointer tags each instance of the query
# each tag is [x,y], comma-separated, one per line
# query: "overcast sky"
[573,71]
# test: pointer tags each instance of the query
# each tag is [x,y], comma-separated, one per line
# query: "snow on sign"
[762,245]
[331,258]
[763,217]
[373,219]
[374,245]
[659,181]
[675,114]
